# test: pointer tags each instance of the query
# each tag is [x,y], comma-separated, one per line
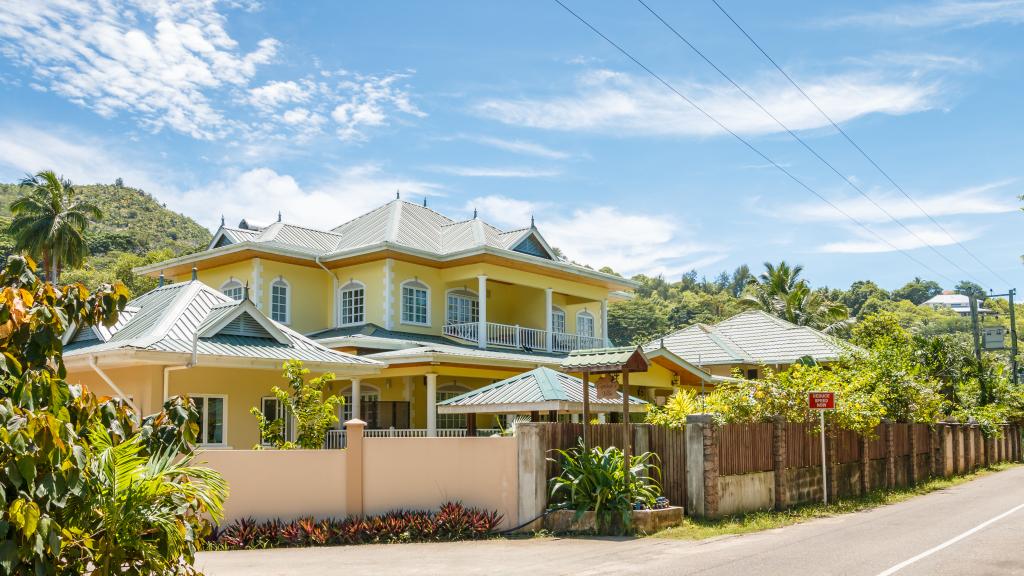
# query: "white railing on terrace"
[336,438]
[521,337]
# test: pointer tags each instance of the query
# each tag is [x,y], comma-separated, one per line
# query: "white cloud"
[257,193]
[867,243]
[99,56]
[260,192]
[495,171]
[629,242]
[988,198]
[955,14]
[521,147]
[276,93]
[173,65]
[612,102]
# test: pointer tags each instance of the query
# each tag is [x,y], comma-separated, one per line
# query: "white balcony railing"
[336,438]
[521,337]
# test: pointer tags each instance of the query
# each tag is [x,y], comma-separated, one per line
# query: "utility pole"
[1013,336]
[977,347]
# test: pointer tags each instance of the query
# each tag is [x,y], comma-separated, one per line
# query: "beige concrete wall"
[423,473]
[746,492]
[285,484]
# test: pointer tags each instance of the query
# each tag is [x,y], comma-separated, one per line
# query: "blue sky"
[322,110]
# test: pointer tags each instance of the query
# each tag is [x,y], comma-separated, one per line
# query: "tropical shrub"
[85,487]
[451,522]
[312,412]
[597,480]
[673,414]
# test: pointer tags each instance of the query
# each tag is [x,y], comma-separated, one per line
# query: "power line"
[745,142]
[857,147]
[803,142]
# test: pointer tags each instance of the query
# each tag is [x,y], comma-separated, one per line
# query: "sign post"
[822,401]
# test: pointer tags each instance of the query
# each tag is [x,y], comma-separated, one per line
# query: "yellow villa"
[416,306]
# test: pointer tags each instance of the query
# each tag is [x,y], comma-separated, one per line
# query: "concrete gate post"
[533,474]
[354,466]
[779,462]
[913,478]
[890,454]
[701,465]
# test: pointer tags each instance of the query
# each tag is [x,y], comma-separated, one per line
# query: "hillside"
[136,229]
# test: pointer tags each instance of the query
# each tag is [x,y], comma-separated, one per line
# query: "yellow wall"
[514,296]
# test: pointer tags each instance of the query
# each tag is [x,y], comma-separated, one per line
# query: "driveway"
[974,528]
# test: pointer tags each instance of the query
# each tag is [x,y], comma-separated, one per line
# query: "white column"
[604,322]
[431,404]
[357,398]
[547,318]
[481,292]
[388,280]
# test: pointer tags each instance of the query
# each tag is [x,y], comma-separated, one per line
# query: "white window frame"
[465,293]
[557,311]
[584,314]
[282,413]
[419,285]
[367,393]
[204,417]
[280,281]
[352,286]
[445,421]
[233,284]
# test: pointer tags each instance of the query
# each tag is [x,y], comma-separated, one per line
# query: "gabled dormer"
[241,319]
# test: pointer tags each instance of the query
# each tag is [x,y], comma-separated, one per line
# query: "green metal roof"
[606,360]
[539,389]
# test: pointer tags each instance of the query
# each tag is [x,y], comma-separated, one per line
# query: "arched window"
[233,289]
[585,324]
[415,303]
[451,421]
[280,301]
[557,320]
[352,300]
[463,307]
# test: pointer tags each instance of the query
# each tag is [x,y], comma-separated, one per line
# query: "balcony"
[520,337]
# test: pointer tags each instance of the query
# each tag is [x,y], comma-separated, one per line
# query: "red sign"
[821,400]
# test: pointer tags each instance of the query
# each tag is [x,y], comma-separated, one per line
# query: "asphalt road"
[973,529]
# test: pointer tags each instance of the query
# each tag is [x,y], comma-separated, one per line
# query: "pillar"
[957,450]
[779,461]
[913,478]
[354,467]
[471,425]
[701,466]
[832,444]
[865,465]
[431,404]
[890,455]
[604,322]
[532,474]
[357,399]
[481,292]
[549,309]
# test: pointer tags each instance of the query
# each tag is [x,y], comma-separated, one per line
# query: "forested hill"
[133,221]
[136,229]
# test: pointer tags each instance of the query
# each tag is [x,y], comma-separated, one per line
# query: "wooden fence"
[668,443]
[745,448]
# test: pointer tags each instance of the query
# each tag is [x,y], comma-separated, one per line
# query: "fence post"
[701,465]
[865,465]
[913,477]
[832,443]
[779,461]
[354,467]
[957,448]
[890,454]
[533,473]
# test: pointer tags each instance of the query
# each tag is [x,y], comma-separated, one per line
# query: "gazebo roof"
[606,360]
[541,389]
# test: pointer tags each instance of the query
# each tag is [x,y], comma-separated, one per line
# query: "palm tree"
[50,221]
[780,291]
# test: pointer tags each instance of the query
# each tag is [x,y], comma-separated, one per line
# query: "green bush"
[86,487]
[597,480]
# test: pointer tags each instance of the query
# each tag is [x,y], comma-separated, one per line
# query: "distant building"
[959,303]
